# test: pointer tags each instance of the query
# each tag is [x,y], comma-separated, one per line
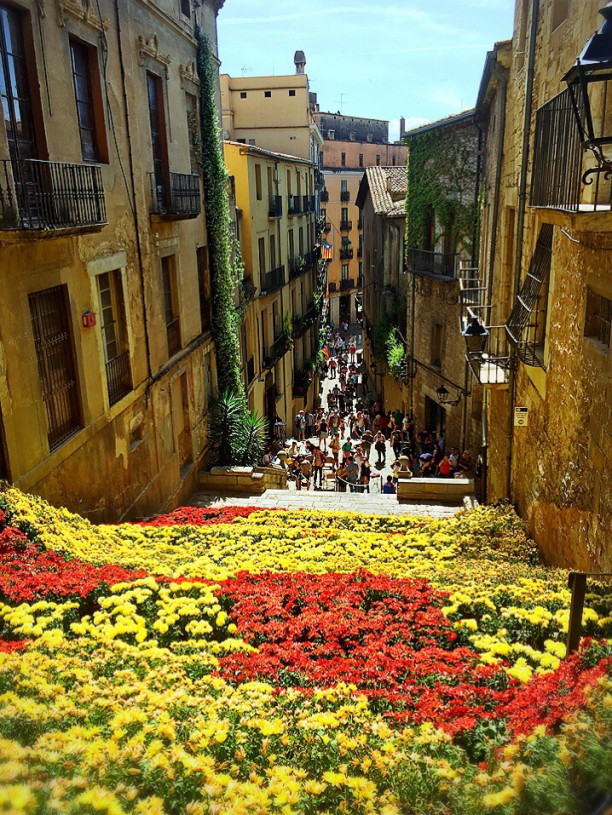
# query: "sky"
[421,59]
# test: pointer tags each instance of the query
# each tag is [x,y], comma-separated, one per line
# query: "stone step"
[372,504]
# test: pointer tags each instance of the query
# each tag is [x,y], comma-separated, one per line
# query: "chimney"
[402,127]
[300,62]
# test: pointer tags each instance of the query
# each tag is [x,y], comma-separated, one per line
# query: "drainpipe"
[503,81]
[522,203]
[412,341]
[133,186]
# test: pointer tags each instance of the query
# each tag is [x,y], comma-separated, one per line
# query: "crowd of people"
[346,444]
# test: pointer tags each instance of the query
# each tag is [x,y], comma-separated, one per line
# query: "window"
[114,335]
[88,99]
[378,161]
[267,94]
[361,159]
[243,95]
[344,185]
[204,287]
[343,160]
[55,357]
[301,242]
[331,135]
[15,87]
[393,160]
[185,8]
[360,268]
[192,129]
[291,93]
[157,122]
[370,137]
[598,322]
[344,217]
[346,243]
[241,141]
[261,246]
[252,142]
[560,11]
[291,244]
[436,346]
[323,214]
[258,187]
[173,327]
[345,271]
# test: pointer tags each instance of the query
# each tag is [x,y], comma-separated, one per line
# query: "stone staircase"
[372,504]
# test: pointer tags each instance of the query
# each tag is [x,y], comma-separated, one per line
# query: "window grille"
[598,323]
[526,326]
[56,368]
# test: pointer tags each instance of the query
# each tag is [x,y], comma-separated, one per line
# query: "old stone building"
[442,214]
[546,283]
[382,204]
[107,361]
[351,144]
[277,225]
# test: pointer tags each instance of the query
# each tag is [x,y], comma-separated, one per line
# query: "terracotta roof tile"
[388,187]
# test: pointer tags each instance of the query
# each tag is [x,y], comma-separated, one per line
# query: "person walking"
[323,433]
[389,488]
[380,446]
[332,368]
[319,461]
[299,425]
[334,446]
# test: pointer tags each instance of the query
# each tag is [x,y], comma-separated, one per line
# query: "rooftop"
[388,187]
[457,118]
[259,151]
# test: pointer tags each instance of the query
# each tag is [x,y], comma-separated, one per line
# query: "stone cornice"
[81,10]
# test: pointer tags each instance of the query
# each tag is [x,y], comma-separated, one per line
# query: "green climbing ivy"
[225,261]
[441,178]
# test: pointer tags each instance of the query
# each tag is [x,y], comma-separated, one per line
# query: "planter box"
[242,480]
[434,490]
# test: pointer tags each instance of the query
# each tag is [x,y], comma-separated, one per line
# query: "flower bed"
[244,661]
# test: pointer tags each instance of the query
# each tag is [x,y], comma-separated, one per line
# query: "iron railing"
[325,196]
[346,226]
[558,154]
[118,377]
[436,264]
[272,281]
[275,209]
[297,267]
[305,203]
[295,205]
[179,197]
[50,195]
[526,326]
[347,285]
[598,325]
[493,365]
[345,195]
[173,332]
[346,254]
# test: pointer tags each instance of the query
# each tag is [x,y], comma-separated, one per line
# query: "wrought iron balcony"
[346,226]
[177,197]
[281,345]
[295,205]
[297,266]
[118,377]
[332,287]
[48,195]
[493,365]
[302,322]
[345,195]
[276,206]
[434,264]
[272,281]
[305,203]
[346,254]
[347,285]
[319,178]
[324,196]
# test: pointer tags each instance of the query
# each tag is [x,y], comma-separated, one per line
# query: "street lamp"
[476,337]
[444,397]
[586,81]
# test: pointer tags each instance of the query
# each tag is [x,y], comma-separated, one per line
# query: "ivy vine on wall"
[442,181]
[225,261]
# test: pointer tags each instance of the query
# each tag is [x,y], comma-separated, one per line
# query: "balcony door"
[15,87]
[157,121]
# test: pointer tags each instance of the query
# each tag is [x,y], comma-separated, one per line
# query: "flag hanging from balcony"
[326,252]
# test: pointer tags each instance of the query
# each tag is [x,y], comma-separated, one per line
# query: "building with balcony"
[282,260]
[442,223]
[544,288]
[276,113]
[108,363]
[351,144]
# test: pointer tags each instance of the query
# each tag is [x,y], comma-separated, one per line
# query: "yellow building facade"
[107,361]
[275,196]
[547,290]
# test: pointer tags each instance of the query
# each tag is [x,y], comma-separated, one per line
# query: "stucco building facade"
[545,273]
[107,363]
[278,237]
[351,144]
